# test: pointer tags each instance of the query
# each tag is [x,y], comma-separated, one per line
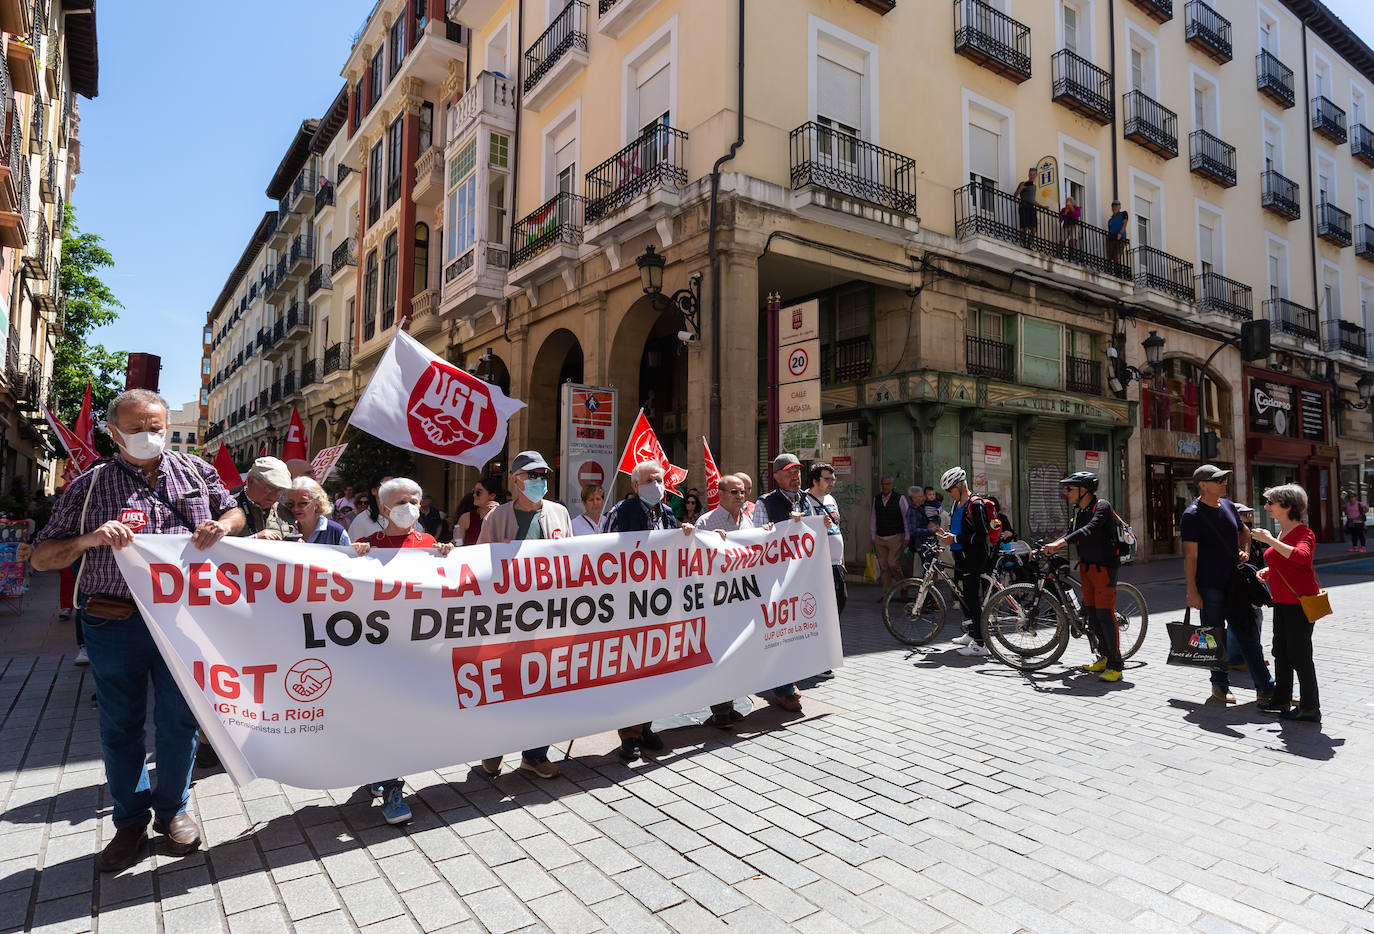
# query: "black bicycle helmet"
[1086,479]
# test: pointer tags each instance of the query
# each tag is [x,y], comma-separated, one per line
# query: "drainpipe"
[515,158]
[716,329]
[1311,191]
[1111,64]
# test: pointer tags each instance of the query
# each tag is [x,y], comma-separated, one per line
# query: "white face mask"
[404,515]
[652,492]
[143,445]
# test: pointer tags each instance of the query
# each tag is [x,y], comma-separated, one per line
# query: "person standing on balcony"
[1117,233]
[1069,216]
[1025,208]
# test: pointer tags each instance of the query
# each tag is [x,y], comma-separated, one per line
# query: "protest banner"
[308,665]
[325,461]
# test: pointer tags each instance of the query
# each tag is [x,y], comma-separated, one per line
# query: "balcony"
[490,100]
[14,16]
[557,57]
[546,241]
[656,160]
[12,161]
[1083,375]
[1279,195]
[280,285]
[1333,224]
[297,320]
[338,360]
[1162,272]
[35,261]
[1291,318]
[302,194]
[308,377]
[1362,144]
[47,182]
[424,313]
[1208,31]
[617,17]
[842,176]
[276,391]
[277,347]
[36,126]
[1224,296]
[1161,11]
[1150,124]
[992,39]
[302,253]
[1346,337]
[1364,241]
[345,255]
[278,234]
[23,65]
[475,281]
[986,212]
[989,358]
[473,13]
[846,361]
[1274,79]
[289,386]
[1328,120]
[319,280]
[1082,87]
[429,177]
[1212,159]
[324,197]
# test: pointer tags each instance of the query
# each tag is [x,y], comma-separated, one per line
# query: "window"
[1357,107]
[1362,201]
[562,152]
[1268,33]
[1331,293]
[991,325]
[176,437]
[1144,219]
[1211,239]
[987,149]
[498,50]
[1366,304]
[370,297]
[1278,268]
[395,140]
[1144,64]
[1273,145]
[461,216]
[1206,115]
[396,44]
[1074,27]
[496,208]
[1326,180]
[650,77]
[1147,206]
[1171,401]
[1069,17]
[426,126]
[420,278]
[205,367]
[390,265]
[1078,168]
[374,184]
[500,150]
[1041,352]
[375,71]
[841,81]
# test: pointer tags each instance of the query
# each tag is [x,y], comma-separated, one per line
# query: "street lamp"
[687,301]
[1365,387]
[1126,374]
[1154,349]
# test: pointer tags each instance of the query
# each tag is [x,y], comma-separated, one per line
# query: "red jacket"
[1294,576]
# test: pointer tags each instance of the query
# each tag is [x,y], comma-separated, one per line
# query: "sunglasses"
[538,474]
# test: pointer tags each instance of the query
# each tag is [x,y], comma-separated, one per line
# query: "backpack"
[978,505]
[1125,538]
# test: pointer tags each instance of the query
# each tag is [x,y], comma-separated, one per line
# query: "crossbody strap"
[81,527]
[190,526]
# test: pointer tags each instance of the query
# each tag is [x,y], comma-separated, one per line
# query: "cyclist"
[968,540]
[1093,530]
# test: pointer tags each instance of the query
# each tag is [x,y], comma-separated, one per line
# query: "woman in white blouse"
[589,523]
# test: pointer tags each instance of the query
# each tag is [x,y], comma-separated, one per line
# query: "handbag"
[871,570]
[1314,606]
[1196,646]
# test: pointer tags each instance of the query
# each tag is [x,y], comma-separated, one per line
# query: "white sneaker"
[973,649]
[965,639]
[81,657]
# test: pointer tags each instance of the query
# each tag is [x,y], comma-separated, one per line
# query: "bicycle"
[919,619]
[1028,626]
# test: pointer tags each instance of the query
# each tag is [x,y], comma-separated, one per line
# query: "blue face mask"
[651,493]
[535,489]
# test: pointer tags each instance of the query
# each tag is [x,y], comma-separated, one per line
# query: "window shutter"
[839,93]
[653,97]
[984,146]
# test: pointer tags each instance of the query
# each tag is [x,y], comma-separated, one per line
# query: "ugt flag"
[643,445]
[420,402]
[712,477]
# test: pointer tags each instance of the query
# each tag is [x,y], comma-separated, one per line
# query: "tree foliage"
[369,457]
[90,304]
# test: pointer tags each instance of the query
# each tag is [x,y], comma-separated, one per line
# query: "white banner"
[310,666]
[420,402]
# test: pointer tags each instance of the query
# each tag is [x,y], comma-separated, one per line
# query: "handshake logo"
[450,412]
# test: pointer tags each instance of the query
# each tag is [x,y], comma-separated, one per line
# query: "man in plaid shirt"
[141,491]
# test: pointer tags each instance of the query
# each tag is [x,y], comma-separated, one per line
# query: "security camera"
[1111,353]
[687,337]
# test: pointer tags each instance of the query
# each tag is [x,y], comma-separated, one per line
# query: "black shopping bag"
[1196,646]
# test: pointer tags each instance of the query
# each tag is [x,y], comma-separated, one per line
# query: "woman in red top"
[1290,575]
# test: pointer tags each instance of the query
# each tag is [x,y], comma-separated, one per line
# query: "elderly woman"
[589,523]
[1291,576]
[310,508]
[398,508]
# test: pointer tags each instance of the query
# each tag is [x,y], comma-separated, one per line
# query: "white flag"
[420,402]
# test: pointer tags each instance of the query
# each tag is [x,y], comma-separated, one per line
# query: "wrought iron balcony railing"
[307,373]
[1150,124]
[324,197]
[1346,336]
[824,157]
[1082,87]
[1328,120]
[658,159]
[345,254]
[1362,143]
[1083,375]
[338,358]
[989,358]
[1212,158]
[1333,224]
[1226,296]
[992,39]
[1274,79]
[1161,11]
[1163,272]
[319,280]
[558,220]
[983,211]
[1364,241]
[1208,30]
[1280,194]
[846,361]
[1291,318]
[567,31]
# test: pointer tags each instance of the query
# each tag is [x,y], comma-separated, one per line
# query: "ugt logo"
[450,411]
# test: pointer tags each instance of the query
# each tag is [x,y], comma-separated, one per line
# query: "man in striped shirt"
[141,491]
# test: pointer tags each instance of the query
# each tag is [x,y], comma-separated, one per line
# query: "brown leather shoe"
[124,850]
[183,836]
[788,702]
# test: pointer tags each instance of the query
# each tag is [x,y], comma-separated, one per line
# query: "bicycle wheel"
[1025,629]
[1132,619]
[912,622]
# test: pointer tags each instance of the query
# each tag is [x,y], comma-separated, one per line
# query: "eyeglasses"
[1270,502]
[734,492]
[294,503]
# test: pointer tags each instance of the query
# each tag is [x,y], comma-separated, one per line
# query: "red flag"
[643,446]
[295,449]
[83,455]
[712,477]
[263,452]
[228,473]
[84,429]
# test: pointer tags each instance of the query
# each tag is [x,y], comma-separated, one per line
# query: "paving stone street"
[918,791]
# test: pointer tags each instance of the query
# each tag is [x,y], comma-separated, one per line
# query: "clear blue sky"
[197,104]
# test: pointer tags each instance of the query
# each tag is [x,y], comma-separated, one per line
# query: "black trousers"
[972,590]
[1293,655]
[1356,534]
[841,591]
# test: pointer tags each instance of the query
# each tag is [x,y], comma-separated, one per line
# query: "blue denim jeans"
[1216,610]
[1234,655]
[123,659]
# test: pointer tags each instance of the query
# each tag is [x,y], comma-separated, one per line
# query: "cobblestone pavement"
[920,791]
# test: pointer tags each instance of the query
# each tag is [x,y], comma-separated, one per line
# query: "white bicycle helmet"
[952,478]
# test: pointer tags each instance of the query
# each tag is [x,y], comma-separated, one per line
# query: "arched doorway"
[649,366]
[558,361]
[319,437]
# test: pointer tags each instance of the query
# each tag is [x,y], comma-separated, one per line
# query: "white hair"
[638,472]
[397,485]
[317,494]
